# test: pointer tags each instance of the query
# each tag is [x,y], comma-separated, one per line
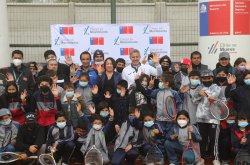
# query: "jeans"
[120,155]
[8,148]
[173,148]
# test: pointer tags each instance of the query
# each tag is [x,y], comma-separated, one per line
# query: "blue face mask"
[69,93]
[83,84]
[243,124]
[194,82]
[148,124]
[160,85]
[5,123]
[151,63]
[247,81]
[131,119]
[104,113]
[61,125]
[230,121]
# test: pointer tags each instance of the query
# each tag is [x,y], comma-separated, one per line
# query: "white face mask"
[97,126]
[17,62]
[182,123]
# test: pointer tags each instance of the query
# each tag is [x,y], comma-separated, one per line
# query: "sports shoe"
[225,162]
[200,162]
[216,162]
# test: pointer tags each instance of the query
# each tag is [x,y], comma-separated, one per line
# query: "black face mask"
[184,70]
[31,125]
[221,79]
[165,68]
[119,69]
[44,89]
[12,95]
[207,83]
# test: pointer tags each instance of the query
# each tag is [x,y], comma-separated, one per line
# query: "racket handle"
[189,135]
[244,134]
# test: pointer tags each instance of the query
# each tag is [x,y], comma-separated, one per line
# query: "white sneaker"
[64,164]
[200,162]
[171,164]
[225,162]
[216,162]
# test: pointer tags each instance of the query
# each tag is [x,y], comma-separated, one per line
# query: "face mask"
[119,69]
[61,125]
[17,62]
[194,82]
[31,125]
[230,121]
[144,84]
[184,70]
[131,119]
[34,74]
[5,123]
[221,79]
[83,84]
[247,81]
[243,124]
[207,83]
[160,85]
[50,59]
[99,63]
[12,95]
[165,68]
[242,68]
[148,124]
[104,113]
[182,123]
[69,93]
[151,63]
[118,91]
[97,126]
[44,88]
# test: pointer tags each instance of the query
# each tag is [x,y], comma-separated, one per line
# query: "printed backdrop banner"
[115,40]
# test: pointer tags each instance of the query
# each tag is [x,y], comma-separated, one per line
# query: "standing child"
[61,136]
[177,139]
[209,127]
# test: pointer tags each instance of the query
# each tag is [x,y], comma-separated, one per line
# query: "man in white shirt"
[136,68]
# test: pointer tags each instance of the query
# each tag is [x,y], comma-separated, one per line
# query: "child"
[45,102]
[15,102]
[208,126]
[72,105]
[165,90]
[177,138]
[60,137]
[129,140]
[85,90]
[99,131]
[240,134]
[188,93]
[9,130]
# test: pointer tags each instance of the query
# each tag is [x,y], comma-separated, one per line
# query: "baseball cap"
[4,111]
[207,73]
[224,55]
[98,52]
[29,117]
[186,61]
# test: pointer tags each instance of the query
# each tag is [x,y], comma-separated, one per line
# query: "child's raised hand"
[137,113]
[107,95]
[152,82]
[10,77]
[78,95]
[155,58]
[129,147]
[78,107]
[91,109]
[24,94]
[156,131]
[55,90]
[111,112]
[94,89]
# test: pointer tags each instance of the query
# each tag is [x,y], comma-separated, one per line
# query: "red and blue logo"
[126,29]
[213,48]
[96,40]
[125,51]
[66,30]
[156,40]
[67,51]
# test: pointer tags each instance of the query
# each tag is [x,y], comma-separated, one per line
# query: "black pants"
[224,147]
[210,136]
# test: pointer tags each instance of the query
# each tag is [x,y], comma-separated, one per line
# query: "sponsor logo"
[86,30]
[126,29]
[222,47]
[66,30]
[146,29]
[97,30]
[116,41]
[125,51]
[67,51]
[96,40]
[156,40]
[203,8]
[213,48]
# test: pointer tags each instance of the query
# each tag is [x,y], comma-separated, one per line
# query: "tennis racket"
[243,156]
[154,156]
[171,107]
[8,157]
[48,159]
[218,109]
[188,155]
[93,156]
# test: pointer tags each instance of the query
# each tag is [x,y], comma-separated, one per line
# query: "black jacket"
[200,67]
[27,137]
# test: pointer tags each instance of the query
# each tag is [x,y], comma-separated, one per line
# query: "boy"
[45,102]
[99,131]
[208,126]
[187,92]
[9,130]
[60,137]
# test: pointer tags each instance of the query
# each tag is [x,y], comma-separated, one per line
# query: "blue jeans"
[120,155]
[165,125]
[173,148]
[8,148]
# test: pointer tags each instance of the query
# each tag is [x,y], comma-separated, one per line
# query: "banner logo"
[86,30]
[126,29]
[156,40]
[66,30]
[67,51]
[125,51]
[213,48]
[96,40]
[145,29]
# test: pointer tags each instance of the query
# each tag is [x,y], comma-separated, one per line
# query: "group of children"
[129,123]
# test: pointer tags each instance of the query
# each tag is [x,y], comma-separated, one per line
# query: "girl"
[177,138]
[60,137]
